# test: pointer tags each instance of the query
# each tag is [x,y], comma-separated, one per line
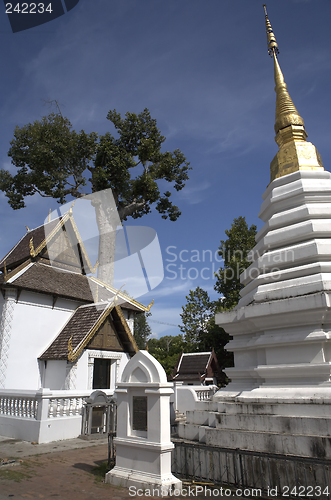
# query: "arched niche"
[144,369]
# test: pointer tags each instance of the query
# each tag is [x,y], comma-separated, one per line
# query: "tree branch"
[125,212]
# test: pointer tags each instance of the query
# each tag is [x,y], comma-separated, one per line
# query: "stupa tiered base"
[279,397]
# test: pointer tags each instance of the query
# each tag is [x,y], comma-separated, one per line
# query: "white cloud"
[194,194]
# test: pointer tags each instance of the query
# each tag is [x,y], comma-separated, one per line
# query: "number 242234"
[28,8]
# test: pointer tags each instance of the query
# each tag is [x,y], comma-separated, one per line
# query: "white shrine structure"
[279,398]
[143,445]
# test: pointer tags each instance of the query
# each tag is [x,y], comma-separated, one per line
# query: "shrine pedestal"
[143,445]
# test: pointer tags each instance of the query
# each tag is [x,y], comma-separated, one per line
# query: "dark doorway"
[101,373]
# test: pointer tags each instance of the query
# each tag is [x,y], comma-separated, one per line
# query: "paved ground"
[63,470]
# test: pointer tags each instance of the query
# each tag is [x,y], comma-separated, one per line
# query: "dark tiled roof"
[78,327]
[85,322]
[43,278]
[194,363]
[195,366]
[21,251]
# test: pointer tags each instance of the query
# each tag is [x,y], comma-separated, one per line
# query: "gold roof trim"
[18,269]
[68,216]
[35,251]
[295,153]
[73,355]
[123,295]
[126,328]
[91,269]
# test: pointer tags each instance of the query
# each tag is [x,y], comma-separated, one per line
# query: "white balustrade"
[44,415]
[17,406]
[205,393]
[60,404]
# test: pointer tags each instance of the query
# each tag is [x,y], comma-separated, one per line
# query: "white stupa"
[279,397]
[281,326]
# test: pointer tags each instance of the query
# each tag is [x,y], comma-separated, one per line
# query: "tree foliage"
[142,330]
[167,350]
[201,334]
[195,316]
[52,159]
[234,250]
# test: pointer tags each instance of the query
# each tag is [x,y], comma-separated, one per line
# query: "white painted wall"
[60,375]
[55,374]
[35,324]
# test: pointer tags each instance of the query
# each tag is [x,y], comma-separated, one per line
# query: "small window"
[101,373]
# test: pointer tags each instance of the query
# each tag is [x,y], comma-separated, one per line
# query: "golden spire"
[294,152]
[286,113]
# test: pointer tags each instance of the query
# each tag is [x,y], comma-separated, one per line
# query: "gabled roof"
[195,366]
[52,259]
[43,240]
[21,251]
[43,278]
[83,325]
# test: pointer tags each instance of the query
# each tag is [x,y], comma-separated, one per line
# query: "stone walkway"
[63,470]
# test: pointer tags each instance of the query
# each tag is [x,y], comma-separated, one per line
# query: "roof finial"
[289,126]
[272,44]
[286,113]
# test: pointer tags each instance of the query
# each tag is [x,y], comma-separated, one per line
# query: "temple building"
[61,329]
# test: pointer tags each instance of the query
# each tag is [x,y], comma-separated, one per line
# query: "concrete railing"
[186,397]
[205,393]
[42,416]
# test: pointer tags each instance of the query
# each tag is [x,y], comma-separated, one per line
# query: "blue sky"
[202,69]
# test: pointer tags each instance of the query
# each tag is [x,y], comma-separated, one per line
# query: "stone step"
[198,417]
[275,423]
[285,409]
[285,444]
[180,417]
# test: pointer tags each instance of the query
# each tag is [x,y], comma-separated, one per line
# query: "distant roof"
[195,366]
[83,325]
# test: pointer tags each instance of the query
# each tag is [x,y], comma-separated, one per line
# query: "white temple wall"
[55,374]
[61,375]
[34,325]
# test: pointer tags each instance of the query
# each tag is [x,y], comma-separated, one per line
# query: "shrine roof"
[194,362]
[81,328]
[193,366]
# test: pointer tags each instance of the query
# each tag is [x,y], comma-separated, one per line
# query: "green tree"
[142,330]
[195,316]
[234,250]
[167,350]
[55,161]
[201,334]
